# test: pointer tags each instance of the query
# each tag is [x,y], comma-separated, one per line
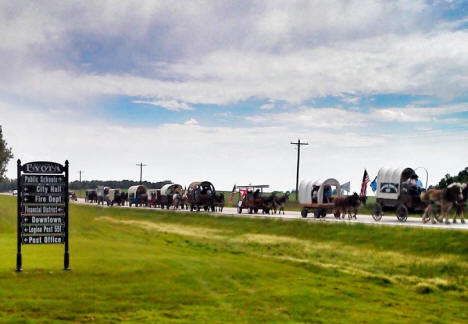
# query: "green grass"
[154,266]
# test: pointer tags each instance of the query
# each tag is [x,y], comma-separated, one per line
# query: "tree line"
[461,177]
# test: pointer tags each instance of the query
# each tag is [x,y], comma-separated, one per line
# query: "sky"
[217,90]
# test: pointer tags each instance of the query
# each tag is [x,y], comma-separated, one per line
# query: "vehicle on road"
[166,194]
[395,194]
[138,196]
[250,198]
[317,197]
[201,195]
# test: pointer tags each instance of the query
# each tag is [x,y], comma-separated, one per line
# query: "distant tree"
[461,177]
[5,155]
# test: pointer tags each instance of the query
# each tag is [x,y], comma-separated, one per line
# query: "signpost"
[42,204]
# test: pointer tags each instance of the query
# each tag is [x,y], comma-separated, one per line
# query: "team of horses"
[441,201]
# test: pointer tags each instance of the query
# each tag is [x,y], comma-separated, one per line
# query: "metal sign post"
[42,204]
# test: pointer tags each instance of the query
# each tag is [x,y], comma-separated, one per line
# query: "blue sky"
[217,90]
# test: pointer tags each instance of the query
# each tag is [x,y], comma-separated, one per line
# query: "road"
[390,220]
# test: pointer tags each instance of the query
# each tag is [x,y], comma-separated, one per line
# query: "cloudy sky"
[217,90]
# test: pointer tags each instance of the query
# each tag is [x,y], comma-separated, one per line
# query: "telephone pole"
[298,143]
[80,172]
[141,165]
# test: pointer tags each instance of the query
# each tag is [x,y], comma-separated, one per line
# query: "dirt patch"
[267,239]
[183,230]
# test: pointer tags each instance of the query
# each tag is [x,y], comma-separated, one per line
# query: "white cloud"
[289,51]
[267,106]
[339,118]
[172,105]
[191,121]
[224,155]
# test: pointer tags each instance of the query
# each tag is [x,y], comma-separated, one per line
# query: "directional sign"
[43,199]
[42,179]
[41,239]
[43,229]
[44,189]
[41,219]
[42,209]
[42,206]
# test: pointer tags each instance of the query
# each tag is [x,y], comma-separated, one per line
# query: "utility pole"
[141,165]
[80,172]
[298,143]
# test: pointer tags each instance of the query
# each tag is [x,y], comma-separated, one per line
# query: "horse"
[281,201]
[177,200]
[219,202]
[91,196]
[347,205]
[461,204]
[123,198]
[446,198]
[268,203]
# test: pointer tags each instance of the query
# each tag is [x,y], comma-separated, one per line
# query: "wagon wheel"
[377,212]
[304,213]
[323,213]
[239,210]
[402,213]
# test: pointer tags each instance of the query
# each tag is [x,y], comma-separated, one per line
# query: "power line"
[141,165]
[298,143]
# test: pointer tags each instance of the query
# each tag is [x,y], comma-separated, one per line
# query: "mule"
[268,203]
[219,202]
[347,205]
[445,198]
[280,202]
[461,204]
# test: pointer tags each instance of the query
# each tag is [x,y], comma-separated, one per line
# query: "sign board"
[42,206]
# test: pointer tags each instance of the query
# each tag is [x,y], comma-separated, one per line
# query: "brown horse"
[445,198]
[347,205]
[461,205]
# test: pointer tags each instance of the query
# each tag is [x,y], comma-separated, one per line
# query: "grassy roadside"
[146,266]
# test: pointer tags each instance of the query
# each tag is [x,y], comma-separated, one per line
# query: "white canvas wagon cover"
[171,186]
[306,186]
[389,181]
[137,190]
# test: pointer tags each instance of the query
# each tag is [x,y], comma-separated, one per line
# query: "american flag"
[365,181]
[233,192]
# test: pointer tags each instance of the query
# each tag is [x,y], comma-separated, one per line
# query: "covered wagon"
[167,192]
[395,192]
[317,196]
[137,195]
[112,197]
[201,195]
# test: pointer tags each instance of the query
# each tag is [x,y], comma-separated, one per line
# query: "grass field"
[148,266]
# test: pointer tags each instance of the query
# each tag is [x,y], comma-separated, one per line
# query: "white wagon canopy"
[389,182]
[307,186]
[170,189]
